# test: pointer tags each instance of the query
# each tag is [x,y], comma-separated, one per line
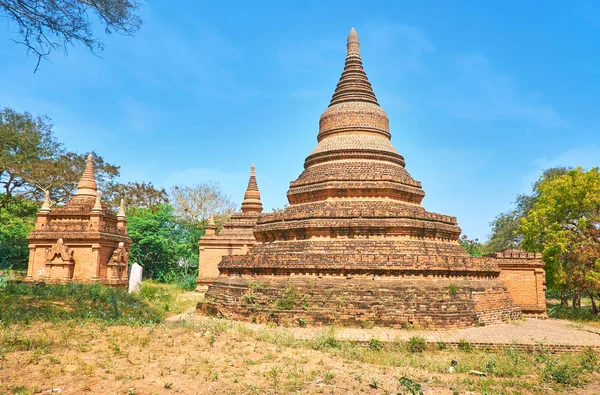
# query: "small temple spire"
[121,213]
[87,184]
[211,228]
[354,84]
[97,205]
[46,205]
[252,201]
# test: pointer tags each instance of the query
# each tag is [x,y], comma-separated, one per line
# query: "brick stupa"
[236,237]
[355,247]
[82,241]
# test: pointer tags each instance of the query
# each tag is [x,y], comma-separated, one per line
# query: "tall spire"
[252,201]
[354,84]
[87,184]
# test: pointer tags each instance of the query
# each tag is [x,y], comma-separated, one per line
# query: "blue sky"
[481,98]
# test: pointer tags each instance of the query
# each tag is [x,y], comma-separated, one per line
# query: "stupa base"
[425,302]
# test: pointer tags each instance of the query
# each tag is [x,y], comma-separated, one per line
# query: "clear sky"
[481,98]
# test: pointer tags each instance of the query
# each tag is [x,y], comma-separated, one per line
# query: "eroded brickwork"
[82,241]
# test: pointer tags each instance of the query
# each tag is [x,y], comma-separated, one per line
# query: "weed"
[409,386]
[328,378]
[375,344]
[464,345]
[374,382]
[453,289]
[275,376]
[416,344]
[302,322]
[168,386]
[588,359]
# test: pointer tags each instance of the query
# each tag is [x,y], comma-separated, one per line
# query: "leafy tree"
[161,243]
[15,225]
[564,224]
[136,195]
[44,26]
[505,227]
[472,246]
[33,161]
[195,203]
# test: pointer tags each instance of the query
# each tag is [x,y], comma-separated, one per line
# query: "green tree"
[136,195]
[505,227]
[161,243]
[43,26]
[564,224]
[15,225]
[472,246]
[33,161]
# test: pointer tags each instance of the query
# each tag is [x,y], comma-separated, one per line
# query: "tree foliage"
[15,225]
[44,26]
[33,161]
[161,243]
[472,246]
[195,203]
[564,224]
[505,227]
[136,195]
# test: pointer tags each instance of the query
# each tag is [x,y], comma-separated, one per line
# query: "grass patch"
[24,303]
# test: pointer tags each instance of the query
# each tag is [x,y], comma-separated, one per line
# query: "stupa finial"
[353,42]
[97,205]
[46,205]
[211,220]
[87,184]
[121,213]
[252,201]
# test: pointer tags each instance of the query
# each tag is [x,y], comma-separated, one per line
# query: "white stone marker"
[135,277]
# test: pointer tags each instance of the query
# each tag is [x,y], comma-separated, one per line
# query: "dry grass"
[211,356]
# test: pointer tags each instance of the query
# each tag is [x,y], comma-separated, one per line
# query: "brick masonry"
[82,241]
[355,246]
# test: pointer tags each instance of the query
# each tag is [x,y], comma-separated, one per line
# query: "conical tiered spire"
[354,84]
[252,201]
[87,184]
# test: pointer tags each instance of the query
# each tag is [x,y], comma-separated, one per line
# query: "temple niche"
[355,246]
[82,241]
[235,238]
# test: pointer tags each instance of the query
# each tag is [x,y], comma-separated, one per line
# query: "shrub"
[465,346]
[375,344]
[561,373]
[325,341]
[588,359]
[288,301]
[416,344]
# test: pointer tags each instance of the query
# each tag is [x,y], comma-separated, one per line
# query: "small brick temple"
[355,246]
[236,237]
[82,241]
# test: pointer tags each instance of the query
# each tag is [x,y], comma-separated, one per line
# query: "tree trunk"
[564,299]
[594,307]
[577,301]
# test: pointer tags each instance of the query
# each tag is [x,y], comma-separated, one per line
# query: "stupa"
[236,237]
[355,246]
[82,241]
